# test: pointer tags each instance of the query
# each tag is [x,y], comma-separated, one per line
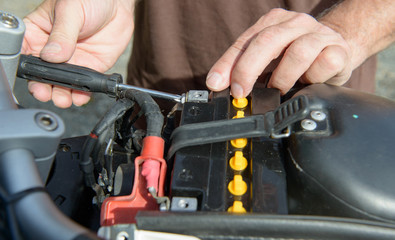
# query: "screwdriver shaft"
[153,93]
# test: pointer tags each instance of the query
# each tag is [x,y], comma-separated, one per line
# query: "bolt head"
[46,121]
[8,20]
[308,125]
[318,115]
[182,203]
[122,236]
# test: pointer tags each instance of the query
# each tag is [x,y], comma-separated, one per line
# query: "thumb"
[67,23]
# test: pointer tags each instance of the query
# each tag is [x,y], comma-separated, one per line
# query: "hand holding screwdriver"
[85,32]
[80,78]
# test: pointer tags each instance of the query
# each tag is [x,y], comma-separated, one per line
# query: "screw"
[182,203]
[8,20]
[46,121]
[64,147]
[198,95]
[309,125]
[122,236]
[194,111]
[318,115]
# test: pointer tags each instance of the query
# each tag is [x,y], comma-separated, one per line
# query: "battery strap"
[268,124]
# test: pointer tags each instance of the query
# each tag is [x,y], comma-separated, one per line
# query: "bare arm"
[367,26]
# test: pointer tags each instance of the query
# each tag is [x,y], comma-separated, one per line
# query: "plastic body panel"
[349,172]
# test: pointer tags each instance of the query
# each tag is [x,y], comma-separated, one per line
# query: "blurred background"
[80,120]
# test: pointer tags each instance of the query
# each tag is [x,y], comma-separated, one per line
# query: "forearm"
[367,26]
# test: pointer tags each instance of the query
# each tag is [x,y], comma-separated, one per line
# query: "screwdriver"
[81,78]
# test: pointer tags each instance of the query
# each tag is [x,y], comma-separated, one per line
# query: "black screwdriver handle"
[68,75]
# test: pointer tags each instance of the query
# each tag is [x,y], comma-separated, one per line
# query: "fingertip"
[61,97]
[50,50]
[215,81]
[218,78]
[40,91]
[237,90]
[56,52]
[62,102]
[80,98]
[64,34]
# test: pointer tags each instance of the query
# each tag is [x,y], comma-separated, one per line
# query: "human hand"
[89,33]
[311,52]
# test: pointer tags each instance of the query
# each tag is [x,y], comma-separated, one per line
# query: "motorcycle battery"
[227,176]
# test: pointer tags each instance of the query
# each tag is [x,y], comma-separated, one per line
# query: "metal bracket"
[164,202]
[12,30]
[118,232]
[197,96]
[36,130]
[184,204]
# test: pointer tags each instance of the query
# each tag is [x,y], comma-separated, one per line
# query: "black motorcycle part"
[210,226]
[124,179]
[349,171]
[37,215]
[263,125]
[203,171]
[66,186]
[197,168]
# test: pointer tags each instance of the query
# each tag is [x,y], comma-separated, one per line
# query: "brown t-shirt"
[177,41]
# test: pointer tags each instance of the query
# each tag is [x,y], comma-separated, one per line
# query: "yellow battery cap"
[237,186]
[239,143]
[239,114]
[238,162]
[237,207]
[240,102]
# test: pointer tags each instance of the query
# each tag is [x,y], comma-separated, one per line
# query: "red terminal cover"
[123,209]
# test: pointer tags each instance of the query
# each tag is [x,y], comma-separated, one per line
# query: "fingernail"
[51,48]
[237,90]
[214,80]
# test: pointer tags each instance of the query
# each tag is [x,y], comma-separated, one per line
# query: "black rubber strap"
[273,122]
